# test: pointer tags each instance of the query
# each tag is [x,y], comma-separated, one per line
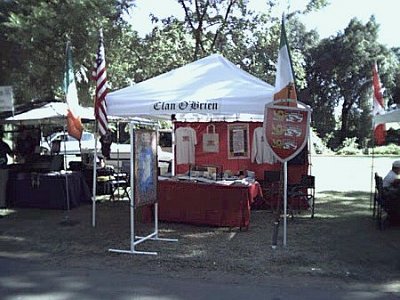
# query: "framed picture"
[145,168]
[238,141]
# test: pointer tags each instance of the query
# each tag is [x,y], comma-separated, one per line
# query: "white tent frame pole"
[284,203]
[66,174]
[94,179]
[309,154]
[173,171]
[119,164]
[135,240]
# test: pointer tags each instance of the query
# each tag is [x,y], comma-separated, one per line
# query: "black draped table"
[47,190]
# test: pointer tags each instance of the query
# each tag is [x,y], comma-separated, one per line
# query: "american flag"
[100,75]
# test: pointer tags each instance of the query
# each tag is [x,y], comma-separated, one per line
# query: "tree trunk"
[344,126]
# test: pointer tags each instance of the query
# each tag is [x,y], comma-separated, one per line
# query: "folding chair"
[377,194]
[302,195]
[379,211]
[120,181]
[271,187]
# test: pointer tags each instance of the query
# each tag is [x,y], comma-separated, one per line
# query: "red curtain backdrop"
[380,134]
[235,165]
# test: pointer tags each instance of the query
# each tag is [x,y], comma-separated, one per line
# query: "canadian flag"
[378,106]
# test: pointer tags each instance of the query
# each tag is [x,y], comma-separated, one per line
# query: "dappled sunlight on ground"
[25,255]
[194,253]
[6,212]
[341,244]
[344,204]
[391,287]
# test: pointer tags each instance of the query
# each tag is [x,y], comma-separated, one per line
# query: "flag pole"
[100,108]
[284,203]
[94,178]
[66,178]
[74,126]
[66,87]
[378,107]
[372,166]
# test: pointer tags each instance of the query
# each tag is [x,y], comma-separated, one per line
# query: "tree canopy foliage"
[339,71]
[36,33]
[332,75]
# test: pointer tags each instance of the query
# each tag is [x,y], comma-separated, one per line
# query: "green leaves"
[331,73]
[36,33]
[339,68]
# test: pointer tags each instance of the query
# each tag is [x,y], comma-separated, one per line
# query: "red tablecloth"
[206,204]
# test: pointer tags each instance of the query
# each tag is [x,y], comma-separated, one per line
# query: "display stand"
[135,240]
[286,130]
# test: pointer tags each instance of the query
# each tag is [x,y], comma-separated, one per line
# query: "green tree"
[207,21]
[395,91]
[339,73]
[38,32]
[164,49]
[35,34]
[245,37]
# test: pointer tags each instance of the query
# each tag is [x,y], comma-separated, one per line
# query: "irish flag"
[74,124]
[284,80]
[378,106]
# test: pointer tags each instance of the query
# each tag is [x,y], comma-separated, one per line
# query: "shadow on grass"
[341,241]
[343,204]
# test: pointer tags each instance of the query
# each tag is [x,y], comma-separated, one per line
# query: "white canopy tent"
[388,117]
[212,86]
[50,113]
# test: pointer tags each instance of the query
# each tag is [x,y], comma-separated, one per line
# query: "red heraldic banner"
[286,129]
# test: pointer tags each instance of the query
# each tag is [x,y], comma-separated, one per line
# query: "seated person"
[391,185]
[106,141]
[25,145]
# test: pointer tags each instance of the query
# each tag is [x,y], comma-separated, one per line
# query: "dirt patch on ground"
[340,243]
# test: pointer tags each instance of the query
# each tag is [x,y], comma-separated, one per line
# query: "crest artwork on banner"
[286,129]
[145,167]
[238,141]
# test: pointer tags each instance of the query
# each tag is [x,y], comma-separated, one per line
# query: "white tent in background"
[212,86]
[388,117]
[50,113]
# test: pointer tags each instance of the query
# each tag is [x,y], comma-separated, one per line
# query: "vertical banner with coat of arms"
[286,129]
[145,167]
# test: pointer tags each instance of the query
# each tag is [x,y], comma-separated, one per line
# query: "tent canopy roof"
[210,86]
[388,117]
[53,112]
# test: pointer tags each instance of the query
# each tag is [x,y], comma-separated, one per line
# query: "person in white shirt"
[392,179]
[391,185]
[185,145]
